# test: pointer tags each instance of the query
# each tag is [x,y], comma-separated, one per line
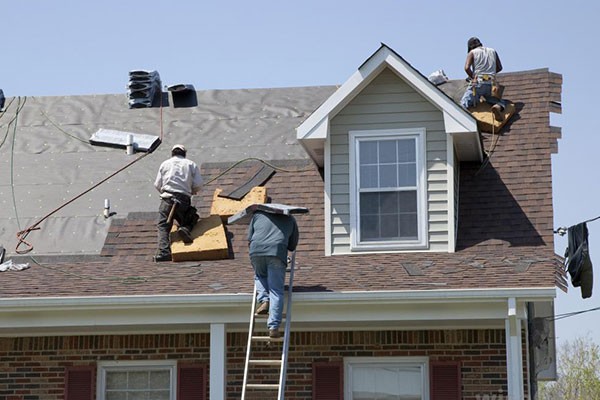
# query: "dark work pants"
[185,215]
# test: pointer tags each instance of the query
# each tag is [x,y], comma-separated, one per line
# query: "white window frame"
[421,362]
[142,365]
[422,241]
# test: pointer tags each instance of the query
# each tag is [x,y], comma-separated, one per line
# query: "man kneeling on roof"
[270,236]
[482,65]
[177,180]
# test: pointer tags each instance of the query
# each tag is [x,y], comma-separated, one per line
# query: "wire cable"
[58,127]
[562,230]
[571,314]
[23,234]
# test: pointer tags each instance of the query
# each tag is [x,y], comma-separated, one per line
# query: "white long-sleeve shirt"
[178,175]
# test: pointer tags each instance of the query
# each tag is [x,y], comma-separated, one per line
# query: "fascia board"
[225,300]
[342,96]
[457,119]
[194,312]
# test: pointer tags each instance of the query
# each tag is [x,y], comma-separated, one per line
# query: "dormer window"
[388,189]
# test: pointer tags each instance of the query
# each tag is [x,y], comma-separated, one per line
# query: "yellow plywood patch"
[210,242]
[228,207]
[485,117]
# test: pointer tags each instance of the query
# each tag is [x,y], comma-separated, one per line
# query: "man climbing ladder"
[270,237]
[272,233]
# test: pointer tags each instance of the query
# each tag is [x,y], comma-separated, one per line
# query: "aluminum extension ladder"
[254,340]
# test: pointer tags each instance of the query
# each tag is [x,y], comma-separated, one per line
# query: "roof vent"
[2,100]
[183,94]
[142,88]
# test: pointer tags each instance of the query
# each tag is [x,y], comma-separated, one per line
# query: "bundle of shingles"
[143,86]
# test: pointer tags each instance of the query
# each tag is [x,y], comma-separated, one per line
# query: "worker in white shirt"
[177,180]
[482,65]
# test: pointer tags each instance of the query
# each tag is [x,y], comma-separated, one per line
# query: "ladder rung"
[268,386]
[265,316]
[265,362]
[267,339]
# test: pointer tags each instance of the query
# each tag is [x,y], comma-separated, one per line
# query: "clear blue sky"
[88,47]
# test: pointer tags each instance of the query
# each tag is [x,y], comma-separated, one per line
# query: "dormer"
[390,143]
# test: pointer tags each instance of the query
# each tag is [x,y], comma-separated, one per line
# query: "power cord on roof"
[58,127]
[22,235]
[490,151]
[15,117]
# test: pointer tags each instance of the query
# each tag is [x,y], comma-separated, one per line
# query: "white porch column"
[218,361]
[514,354]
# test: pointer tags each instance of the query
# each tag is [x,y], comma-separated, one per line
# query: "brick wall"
[33,368]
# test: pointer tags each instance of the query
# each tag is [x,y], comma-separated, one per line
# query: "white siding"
[389,103]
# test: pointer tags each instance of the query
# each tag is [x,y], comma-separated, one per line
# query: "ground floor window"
[121,380]
[386,378]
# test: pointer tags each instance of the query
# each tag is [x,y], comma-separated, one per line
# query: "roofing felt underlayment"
[47,159]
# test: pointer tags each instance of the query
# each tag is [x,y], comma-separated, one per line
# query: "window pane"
[138,396]
[138,380]
[389,226]
[387,151]
[369,227]
[116,380]
[407,175]
[407,150]
[368,177]
[388,202]
[162,395]
[408,226]
[368,152]
[388,176]
[386,382]
[159,379]
[407,201]
[116,396]
[369,203]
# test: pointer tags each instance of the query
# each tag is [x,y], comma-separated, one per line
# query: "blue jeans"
[481,89]
[269,276]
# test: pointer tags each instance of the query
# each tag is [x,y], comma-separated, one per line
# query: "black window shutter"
[445,380]
[328,381]
[191,382]
[79,383]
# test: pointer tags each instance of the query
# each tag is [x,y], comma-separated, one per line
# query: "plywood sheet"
[228,207]
[485,117]
[210,242]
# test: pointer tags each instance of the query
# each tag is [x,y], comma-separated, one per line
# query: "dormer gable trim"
[313,132]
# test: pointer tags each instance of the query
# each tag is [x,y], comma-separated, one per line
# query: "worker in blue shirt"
[270,237]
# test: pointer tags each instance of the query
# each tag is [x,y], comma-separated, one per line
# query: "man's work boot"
[498,112]
[274,333]
[262,309]
[185,235]
[162,257]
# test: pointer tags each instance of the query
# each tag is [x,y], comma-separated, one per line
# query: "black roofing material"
[258,179]
[143,87]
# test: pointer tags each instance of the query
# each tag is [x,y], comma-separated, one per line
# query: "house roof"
[505,232]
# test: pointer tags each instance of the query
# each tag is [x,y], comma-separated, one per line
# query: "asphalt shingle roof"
[505,232]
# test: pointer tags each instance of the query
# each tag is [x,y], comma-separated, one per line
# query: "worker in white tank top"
[481,66]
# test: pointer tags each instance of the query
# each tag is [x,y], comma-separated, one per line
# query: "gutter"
[242,299]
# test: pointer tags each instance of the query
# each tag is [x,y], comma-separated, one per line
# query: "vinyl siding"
[389,103]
